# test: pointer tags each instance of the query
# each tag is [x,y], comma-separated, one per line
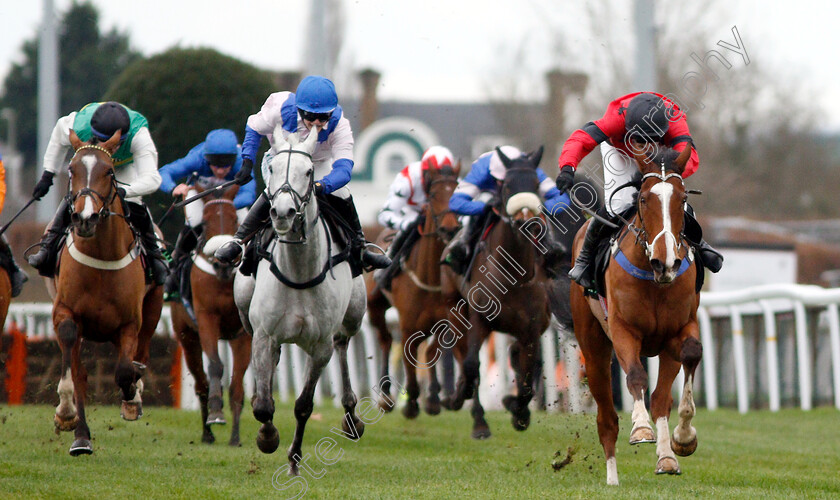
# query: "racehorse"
[652,310]
[216,317]
[416,293]
[505,290]
[101,293]
[304,293]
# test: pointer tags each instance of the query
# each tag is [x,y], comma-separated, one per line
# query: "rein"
[300,201]
[106,201]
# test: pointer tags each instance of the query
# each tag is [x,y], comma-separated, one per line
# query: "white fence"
[816,346]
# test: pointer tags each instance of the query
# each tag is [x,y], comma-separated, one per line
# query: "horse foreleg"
[303,404]
[376,315]
[660,408]
[684,440]
[209,335]
[264,358]
[523,358]
[432,404]
[627,350]
[351,424]
[66,418]
[410,349]
[192,357]
[81,445]
[241,347]
[470,366]
[128,372]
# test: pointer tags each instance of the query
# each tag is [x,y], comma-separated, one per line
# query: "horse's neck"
[424,259]
[303,261]
[112,240]
[505,239]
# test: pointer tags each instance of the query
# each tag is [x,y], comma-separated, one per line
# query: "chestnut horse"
[505,291]
[651,312]
[217,318]
[416,294]
[101,293]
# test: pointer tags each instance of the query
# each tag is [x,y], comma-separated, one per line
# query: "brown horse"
[416,294]
[217,318]
[652,310]
[505,291]
[100,293]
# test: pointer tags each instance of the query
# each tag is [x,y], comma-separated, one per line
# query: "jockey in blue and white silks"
[480,186]
[314,104]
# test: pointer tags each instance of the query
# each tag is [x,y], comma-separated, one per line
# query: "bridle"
[437,217]
[300,201]
[641,232]
[106,201]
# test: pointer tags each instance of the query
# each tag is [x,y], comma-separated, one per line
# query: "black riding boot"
[711,258]
[403,240]
[141,220]
[457,253]
[347,211]
[7,260]
[254,221]
[187,239]
[583,272]
[44,259]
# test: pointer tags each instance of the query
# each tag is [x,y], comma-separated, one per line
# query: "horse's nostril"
[657,265]
[273,213]
[290,212]
[677,263]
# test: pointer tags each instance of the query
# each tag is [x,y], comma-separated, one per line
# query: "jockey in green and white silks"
[135,168]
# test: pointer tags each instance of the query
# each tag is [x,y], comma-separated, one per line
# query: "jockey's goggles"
[311,117]
[220,160]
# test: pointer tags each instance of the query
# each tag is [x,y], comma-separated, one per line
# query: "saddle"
[608,247]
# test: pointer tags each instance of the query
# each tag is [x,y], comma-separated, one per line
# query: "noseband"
[106,201]
[641,233]
[300,201]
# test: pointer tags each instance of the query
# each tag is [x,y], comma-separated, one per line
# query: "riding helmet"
[648,114]
[497,168]
[316,94]
[107,119]
[221,147]
[437,157]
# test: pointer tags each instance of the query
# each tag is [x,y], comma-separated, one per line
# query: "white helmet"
[497,168]
[437,157]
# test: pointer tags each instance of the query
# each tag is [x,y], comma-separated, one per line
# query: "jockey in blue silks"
[481,185]
[214,161]
[313,104]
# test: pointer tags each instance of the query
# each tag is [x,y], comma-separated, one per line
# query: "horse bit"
[104,212]
[300,201]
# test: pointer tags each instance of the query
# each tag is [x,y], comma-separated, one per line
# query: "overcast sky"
[440,49]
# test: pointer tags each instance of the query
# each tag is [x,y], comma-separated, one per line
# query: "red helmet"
[437,157]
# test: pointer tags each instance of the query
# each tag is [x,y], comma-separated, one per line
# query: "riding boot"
[253,222]
[358,246]
[185,244]
[401,241]
[711,258]
[44,259]
[141,220]
[583,271]
[16,274]
[555,251]
[457,254]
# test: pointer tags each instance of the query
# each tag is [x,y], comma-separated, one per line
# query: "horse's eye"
[309,172]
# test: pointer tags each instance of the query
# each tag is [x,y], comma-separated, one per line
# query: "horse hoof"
[386,405]
[642,435]
[668,465]
[521,422]
[234,442]
[216,418]
[684,450]
[481,433]
[130,411]
[432,406]
[293,469]
[520,417]
[446,402]
[268,439]
[81,446]
[411,410]
[357,424]
[66,424]
[208,438]
[263,412]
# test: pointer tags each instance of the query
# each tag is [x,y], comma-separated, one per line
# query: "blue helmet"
[316,94]
[220,147]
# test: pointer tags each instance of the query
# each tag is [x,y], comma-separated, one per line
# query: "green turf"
[756,456]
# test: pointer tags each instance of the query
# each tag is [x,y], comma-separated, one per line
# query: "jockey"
[406,197]
[135,166]
[314,104]
[475,195]
[638,121]
[213,162]
[7,260]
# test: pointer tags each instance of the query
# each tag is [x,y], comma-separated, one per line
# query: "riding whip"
[220,187]
[3,230]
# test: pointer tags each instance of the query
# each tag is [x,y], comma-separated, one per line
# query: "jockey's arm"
[147,179]
[247,195]
[678,137]
[585,139]
[55,157]
[172,174]
[340,142]
[391,215]
[462,202]
[2,185]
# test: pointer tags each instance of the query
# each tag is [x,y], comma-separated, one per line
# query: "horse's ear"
[457,168]
[198,188]
[536,156]
[505,159]
[75,141]
[112,144]
[312,138]
[683,158]
[230,193]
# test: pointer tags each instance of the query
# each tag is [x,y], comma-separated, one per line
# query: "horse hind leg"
[351,424]
[66,417]
[265,357]
[377,305]
[241,347]
[303,404]
[128,373]
[432,404]
[192,357]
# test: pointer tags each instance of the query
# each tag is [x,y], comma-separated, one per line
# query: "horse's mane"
[666,156]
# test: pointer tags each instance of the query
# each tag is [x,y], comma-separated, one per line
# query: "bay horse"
[216,317]
[100,293]
[652,310]
[416,294]
[304,293]
[505,291]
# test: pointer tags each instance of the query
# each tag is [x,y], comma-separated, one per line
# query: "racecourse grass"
[761,455]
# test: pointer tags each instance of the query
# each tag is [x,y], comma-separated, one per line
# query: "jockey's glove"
[244,174]
[566,178]
[121,193]
[43,186]
[319,189]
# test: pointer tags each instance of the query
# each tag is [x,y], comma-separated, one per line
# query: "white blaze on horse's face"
[89,162]
[667,253]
